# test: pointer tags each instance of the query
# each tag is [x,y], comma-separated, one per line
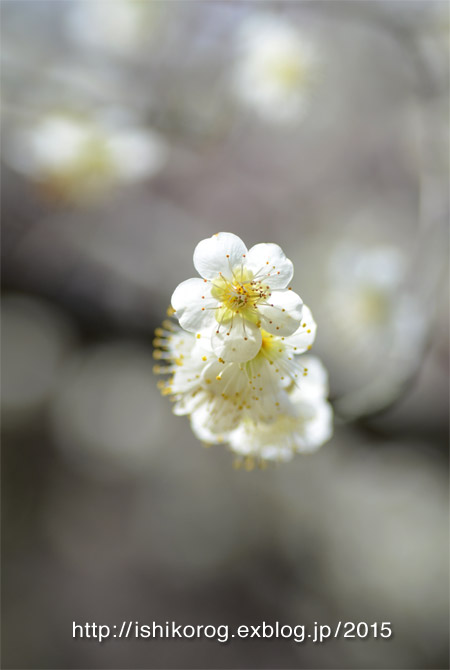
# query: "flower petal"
[269,262]
[193,305]
[238,342]
[188,403]
[216,376]
[316,430]
[282,314]
[200,423]
[218,255]
[305,335]
[281,454]
[313,386]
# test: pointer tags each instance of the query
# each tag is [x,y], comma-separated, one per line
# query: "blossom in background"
[366,284]
[274,69]
[266,403]
[242,292]
[76,157]
[377,325]
[117,26]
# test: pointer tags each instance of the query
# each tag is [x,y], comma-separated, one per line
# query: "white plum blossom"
[278,394]
[241,294]
[237,362]
[303,429]
[78,156]
[274,69]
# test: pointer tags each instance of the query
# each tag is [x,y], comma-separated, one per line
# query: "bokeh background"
[112,510]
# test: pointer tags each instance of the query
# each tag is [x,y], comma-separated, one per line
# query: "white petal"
[282,314]
[268,387]
[218,255]
[200,419]
[189,403]
[237,342]
[194,305]
[276,453]
[305,335]
[317,430]
[217,377]
[269,262]
[314,385]
[239,442]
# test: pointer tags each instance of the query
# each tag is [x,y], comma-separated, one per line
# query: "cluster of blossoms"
[237,362]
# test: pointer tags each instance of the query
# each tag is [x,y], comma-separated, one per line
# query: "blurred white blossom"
[363,286]
[116,26]
[368,305]
[377,325]
[80,156]
[275,68]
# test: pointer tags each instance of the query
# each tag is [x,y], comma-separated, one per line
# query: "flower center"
[371,307]
[285,71]
[272,348]
[241,296]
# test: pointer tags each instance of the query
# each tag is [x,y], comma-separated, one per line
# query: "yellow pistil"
[239,296]
[270,347]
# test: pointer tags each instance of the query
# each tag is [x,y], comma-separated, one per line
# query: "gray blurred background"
[112,510]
